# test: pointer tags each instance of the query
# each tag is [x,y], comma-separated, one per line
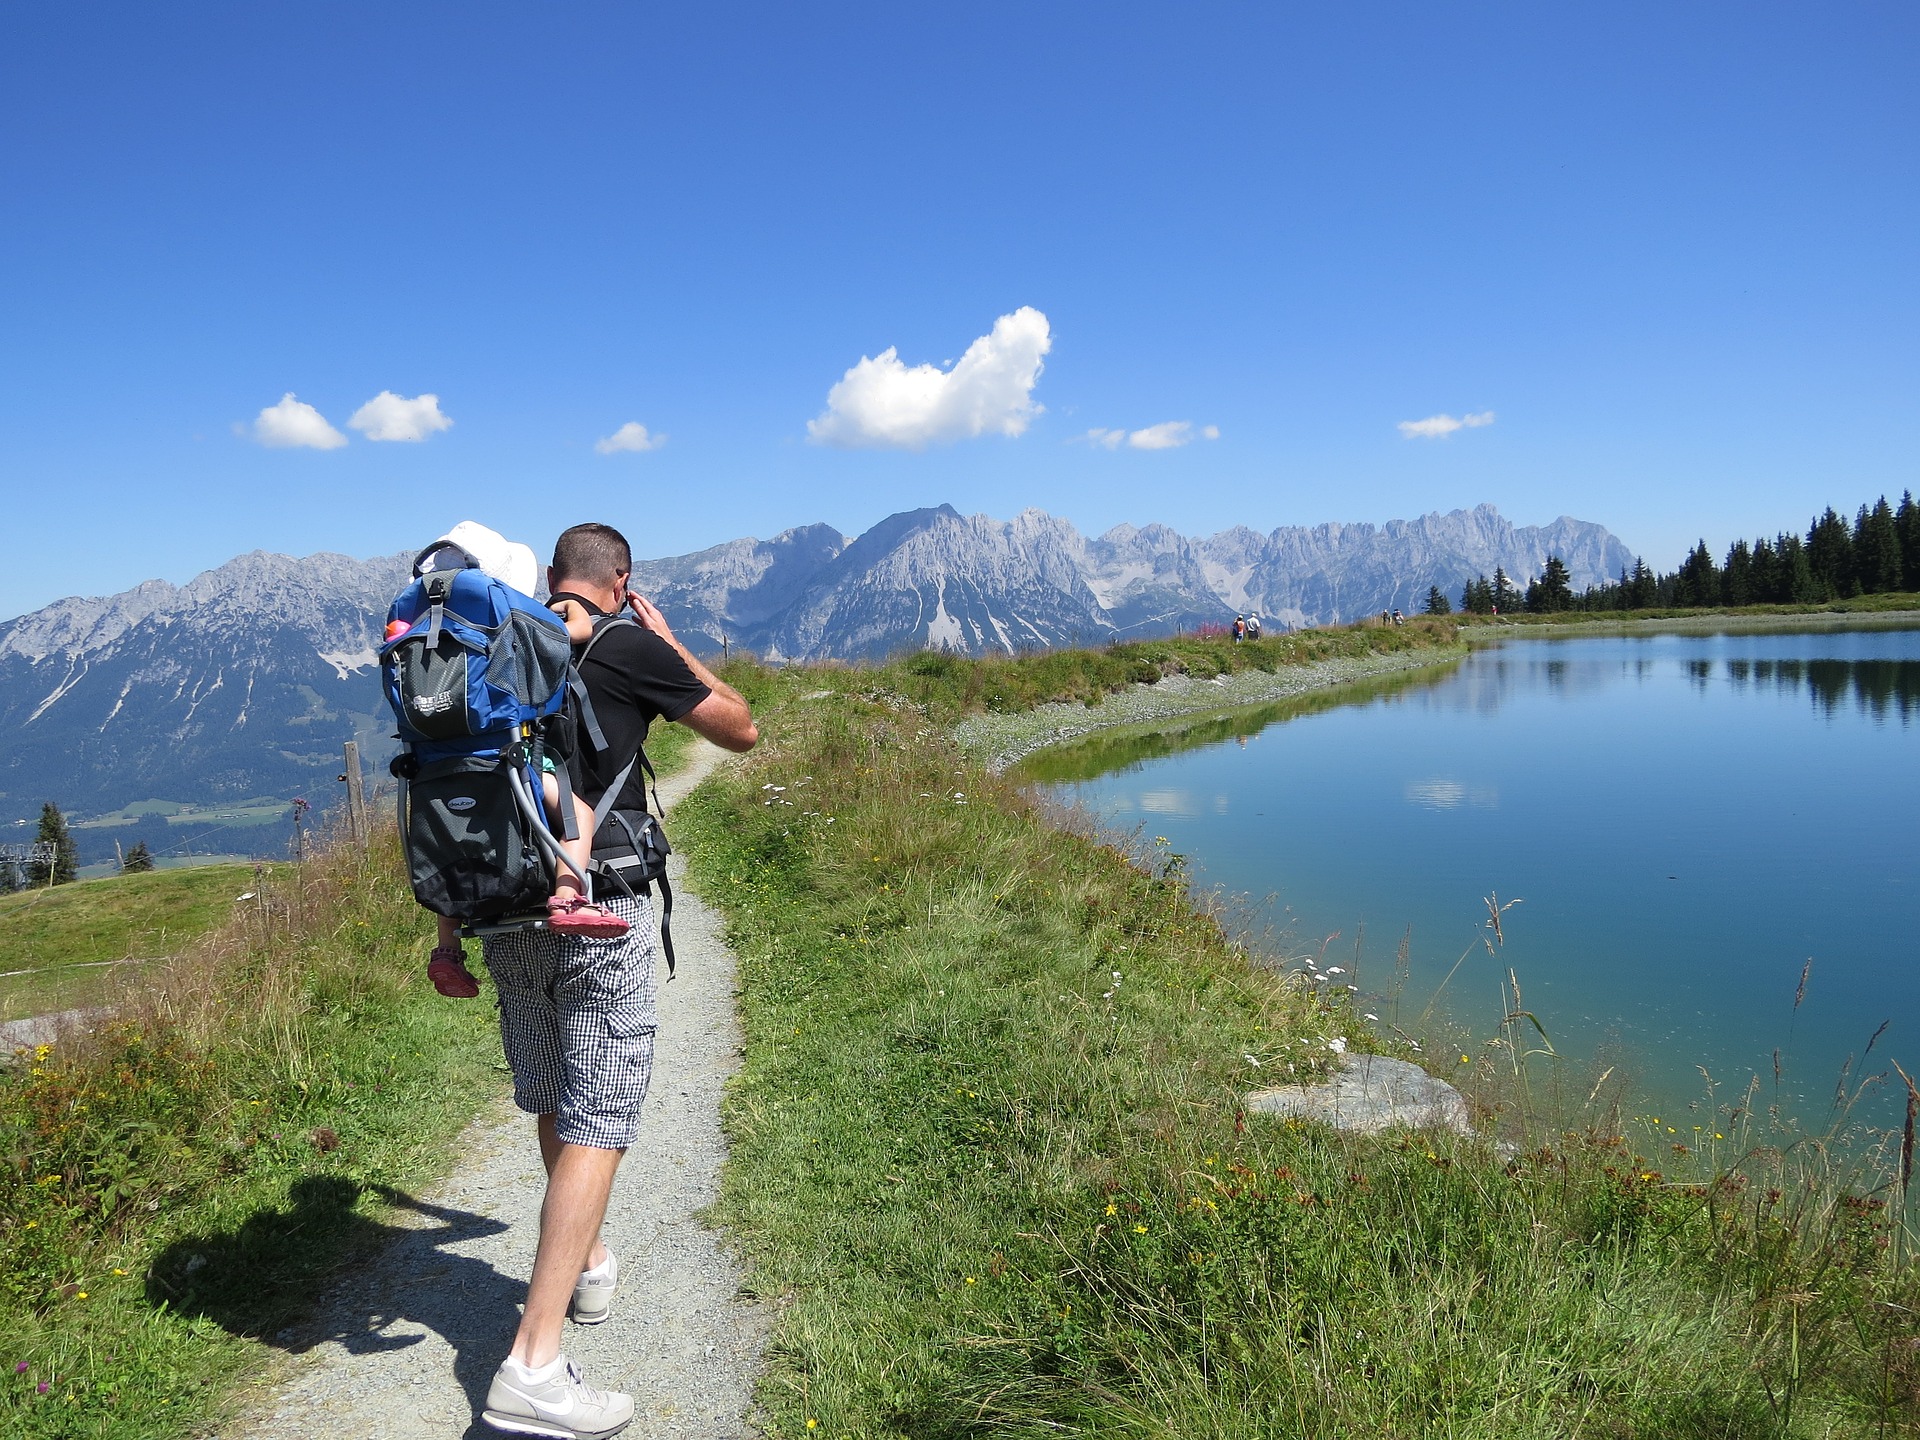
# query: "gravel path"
[1000,740]
[405,1347]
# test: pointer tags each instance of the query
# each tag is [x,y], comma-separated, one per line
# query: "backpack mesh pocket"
[468,847]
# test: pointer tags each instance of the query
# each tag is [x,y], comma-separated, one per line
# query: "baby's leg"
[447,965]
[566,884]
[569,912]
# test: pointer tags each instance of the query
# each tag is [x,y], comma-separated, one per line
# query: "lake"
[1686,819]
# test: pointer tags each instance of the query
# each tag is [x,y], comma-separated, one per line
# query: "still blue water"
[1686,819]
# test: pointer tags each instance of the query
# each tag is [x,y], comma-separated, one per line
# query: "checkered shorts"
[577,1021]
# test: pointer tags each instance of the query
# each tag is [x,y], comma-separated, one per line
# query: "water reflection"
[1884,689]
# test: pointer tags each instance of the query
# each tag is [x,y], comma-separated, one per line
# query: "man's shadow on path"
[274,1279]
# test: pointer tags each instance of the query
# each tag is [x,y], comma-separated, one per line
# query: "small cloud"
[630,436]
[294,424]
[881,402]
[1167,435]
[388,416]
[1438,427]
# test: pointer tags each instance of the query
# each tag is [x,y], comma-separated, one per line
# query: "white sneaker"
[593,1293]
[554,1401]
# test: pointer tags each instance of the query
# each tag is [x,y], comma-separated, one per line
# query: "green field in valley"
[62,947]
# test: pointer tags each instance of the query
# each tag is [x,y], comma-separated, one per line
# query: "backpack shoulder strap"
[591,722]
[583,702]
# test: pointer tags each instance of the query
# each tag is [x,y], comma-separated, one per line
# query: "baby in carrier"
[568,910]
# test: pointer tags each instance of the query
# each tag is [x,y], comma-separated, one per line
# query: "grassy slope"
[258,1136]
[185,1185]
[50,931]
[1004,1194]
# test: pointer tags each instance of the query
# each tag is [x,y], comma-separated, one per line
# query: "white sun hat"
[471,543]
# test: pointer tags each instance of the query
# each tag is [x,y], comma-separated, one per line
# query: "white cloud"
[1167,435]
[295,424]
[630,436]
[388,416]
[989,391]
[1438,427]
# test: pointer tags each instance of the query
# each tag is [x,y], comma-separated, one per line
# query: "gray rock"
[39,1030]
[1368,1094]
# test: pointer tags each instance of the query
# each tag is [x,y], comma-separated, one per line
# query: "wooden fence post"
[356,798]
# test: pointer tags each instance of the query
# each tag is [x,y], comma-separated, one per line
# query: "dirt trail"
[404,1348]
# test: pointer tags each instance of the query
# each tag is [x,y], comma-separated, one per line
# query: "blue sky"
[1670,249]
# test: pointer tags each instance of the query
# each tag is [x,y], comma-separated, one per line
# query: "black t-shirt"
[632,675]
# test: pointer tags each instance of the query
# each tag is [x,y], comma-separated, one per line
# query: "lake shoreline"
[1003,740]
[1710,622]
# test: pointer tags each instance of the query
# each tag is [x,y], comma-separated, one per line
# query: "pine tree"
[1876,549]
[1506,595]
[1552,591]
[1642,587]
[1802,587]
[1736,580]
[1698,582]
[138,860]
[1765,585]
[66,856]
[1437,602]
[1830,557]
[1907,521]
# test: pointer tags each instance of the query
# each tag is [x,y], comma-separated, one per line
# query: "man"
[577,1015]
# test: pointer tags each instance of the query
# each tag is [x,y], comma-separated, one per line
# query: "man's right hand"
[723,717]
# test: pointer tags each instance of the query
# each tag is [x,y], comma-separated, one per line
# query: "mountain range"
[245,681]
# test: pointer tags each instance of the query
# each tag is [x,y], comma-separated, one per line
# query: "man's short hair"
[597,554]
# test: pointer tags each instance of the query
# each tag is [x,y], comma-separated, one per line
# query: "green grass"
[186,1180]
[946,687]
[1859,605]
[1127,745]
[998,1192]
[68,937]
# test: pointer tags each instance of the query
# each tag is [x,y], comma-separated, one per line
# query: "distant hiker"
[472,544]
[577,1015]
[1398,618]
[1239,628]
[1253,627]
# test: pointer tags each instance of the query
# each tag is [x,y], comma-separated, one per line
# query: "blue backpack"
[478,682]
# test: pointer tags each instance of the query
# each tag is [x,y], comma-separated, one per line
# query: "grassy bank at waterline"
[989,1148]
[1898,606]
[1006,707]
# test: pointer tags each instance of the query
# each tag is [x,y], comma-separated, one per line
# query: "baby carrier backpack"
[477,682]
[488,698]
